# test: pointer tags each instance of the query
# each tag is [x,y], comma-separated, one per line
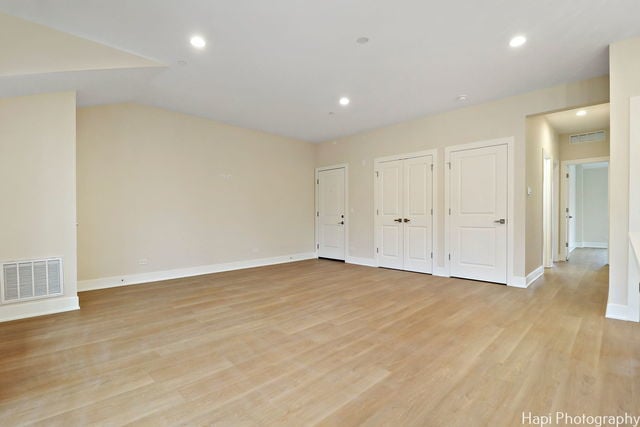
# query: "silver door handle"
[500,221]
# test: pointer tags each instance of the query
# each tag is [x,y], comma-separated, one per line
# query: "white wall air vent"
[581,138]
[27,280]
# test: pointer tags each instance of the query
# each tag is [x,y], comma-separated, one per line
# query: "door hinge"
[449,211]
[566,245]
[431,211]
[377,250]
[567,175]
[449,163]
[377,174]
[377,211]
[449,257]
[317,245]
[567,210]
[317,181]
[431,167]
[431,255]
[317,213]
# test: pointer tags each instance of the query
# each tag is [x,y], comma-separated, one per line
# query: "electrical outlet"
[143,261]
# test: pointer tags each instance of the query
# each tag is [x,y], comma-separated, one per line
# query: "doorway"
[549,223]
[586,204]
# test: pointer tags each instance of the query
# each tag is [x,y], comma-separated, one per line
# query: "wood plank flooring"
[323,343]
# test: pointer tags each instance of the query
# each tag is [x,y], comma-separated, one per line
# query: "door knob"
[341,223]
[406,220]
[500,221]
[398,220]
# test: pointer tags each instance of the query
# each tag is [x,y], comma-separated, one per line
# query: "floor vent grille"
[26,280]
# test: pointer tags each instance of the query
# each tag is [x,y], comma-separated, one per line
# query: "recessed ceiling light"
[462,98]
[344,101]
[362,40]
[517,41]
[581,113]
[198,42]
[182,62]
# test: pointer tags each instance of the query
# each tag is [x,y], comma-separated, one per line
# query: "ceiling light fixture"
[362,40]
[198,42]
[462,98]
[581,113]
[344,101]
[517,41]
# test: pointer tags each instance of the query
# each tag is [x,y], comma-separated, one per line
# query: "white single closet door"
[478,202]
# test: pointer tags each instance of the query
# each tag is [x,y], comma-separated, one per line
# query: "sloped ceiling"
[280,66]
[29,48]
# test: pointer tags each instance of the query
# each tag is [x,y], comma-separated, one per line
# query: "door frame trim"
[564,200]
[434,201]
[347,222]
[510,143]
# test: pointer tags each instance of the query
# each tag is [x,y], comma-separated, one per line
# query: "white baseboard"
[518,282]
[369,262]
[525,282]
[618,311]
[22,310]
[156,276]
[597,245]
[440,271]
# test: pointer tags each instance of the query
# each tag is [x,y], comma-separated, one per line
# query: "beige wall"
[587,150]
[502,118]
[38,182]
[541,140]
[624,63]
[181,191]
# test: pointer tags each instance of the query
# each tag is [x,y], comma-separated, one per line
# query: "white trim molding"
[38,308]
[157,276]
[618,312]
[595,245]
[525,282]
[368,262]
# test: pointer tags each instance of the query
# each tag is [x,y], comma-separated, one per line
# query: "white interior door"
[404,214]
[390,215]
[331,214]
[417,223]
[478,216]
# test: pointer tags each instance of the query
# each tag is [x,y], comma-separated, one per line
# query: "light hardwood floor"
[321,342]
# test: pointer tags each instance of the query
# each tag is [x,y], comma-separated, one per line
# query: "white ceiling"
[597,118]
[281,65]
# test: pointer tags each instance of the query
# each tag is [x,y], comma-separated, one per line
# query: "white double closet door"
[404,213]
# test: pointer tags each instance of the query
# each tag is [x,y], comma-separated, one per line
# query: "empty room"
[332,213]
